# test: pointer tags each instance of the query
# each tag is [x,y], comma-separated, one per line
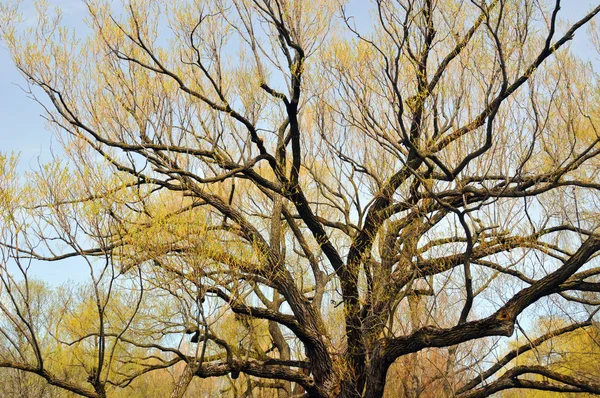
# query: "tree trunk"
[184,380]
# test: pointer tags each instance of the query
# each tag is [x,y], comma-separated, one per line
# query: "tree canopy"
[298,202]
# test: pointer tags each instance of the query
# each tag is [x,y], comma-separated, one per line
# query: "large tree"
[282,191]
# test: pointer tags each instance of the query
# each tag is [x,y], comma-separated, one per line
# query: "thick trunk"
[375,380]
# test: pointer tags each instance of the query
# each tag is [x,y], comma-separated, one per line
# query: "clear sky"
[22,129]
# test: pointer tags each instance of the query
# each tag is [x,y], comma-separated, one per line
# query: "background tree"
[573,354]
[310,203]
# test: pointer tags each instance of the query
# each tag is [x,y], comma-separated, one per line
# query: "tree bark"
[184,380]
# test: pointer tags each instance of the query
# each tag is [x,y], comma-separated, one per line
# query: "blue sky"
[22,129]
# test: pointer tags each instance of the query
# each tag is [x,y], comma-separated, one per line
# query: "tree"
[573,354]
[402,196]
